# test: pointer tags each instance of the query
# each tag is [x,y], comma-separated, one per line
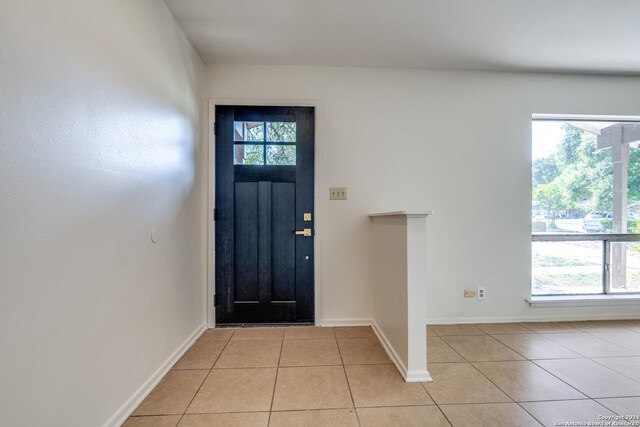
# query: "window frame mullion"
[606,266]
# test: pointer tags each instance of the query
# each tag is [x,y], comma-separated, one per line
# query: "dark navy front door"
[264,214]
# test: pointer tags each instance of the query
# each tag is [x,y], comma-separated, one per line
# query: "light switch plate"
[338,193]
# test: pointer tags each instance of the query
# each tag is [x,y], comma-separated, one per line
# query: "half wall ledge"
[400,289]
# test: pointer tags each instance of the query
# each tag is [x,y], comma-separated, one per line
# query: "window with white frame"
[585,214]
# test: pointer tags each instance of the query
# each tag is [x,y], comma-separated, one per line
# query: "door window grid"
[264,143]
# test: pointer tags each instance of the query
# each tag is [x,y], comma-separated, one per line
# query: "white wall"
[453,142]
[389,286]
[99,143]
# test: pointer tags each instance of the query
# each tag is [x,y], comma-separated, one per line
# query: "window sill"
[583,300]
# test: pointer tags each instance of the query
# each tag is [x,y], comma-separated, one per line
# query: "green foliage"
[633,225]
[562,281]
[634,175]
[281,154]
[576,182]
[580,175]
[571,141]
[539,260]
[276,132]
[249,154]
[551,198]
[254,131]
[281,131]
[544,170]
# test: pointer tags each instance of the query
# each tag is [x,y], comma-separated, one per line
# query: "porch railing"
[617,256]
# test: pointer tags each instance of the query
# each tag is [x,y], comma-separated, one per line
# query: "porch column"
[617,138]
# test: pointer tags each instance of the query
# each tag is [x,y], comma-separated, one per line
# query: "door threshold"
[263,325]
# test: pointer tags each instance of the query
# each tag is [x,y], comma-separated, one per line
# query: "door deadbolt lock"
[306,232]
[307,217]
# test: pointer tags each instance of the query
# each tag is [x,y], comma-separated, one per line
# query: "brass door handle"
[306,232]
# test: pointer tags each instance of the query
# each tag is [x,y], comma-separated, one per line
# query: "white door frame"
[319,201]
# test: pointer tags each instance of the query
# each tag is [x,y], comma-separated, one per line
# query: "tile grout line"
[530,414]
[555,376]
[614,343]
[275,382]
[547,339]
[513,400]
[593,336]
[449,346]
[205,378]
[575,388]
[550,340]
[498,387]
[424,386]
[344,370]
[614,357]
[436,403]
[613,370]
[341,408]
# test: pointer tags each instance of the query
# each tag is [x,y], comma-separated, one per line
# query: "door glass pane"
[625,267]
[566,268]
[248,131]
[281,154]
[281,131]
[248,154]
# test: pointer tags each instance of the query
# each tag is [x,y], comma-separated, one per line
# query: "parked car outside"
[592,223]
[538,217]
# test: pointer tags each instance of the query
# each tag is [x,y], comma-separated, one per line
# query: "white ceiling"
[586,36]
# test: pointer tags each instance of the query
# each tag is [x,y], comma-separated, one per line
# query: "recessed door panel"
[246,241]
[284,241]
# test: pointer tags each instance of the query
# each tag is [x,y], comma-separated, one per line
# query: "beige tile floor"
[526,374]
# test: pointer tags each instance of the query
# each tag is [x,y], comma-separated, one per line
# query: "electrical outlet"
[469,293]
[482,293]
[338,193]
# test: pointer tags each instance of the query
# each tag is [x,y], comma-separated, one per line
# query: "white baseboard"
[496,319]
[542,318]
[409,376]
[132,403]
[418,377]
[344,322]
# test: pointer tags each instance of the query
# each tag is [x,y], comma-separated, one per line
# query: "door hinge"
[215,128]
[215,214]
